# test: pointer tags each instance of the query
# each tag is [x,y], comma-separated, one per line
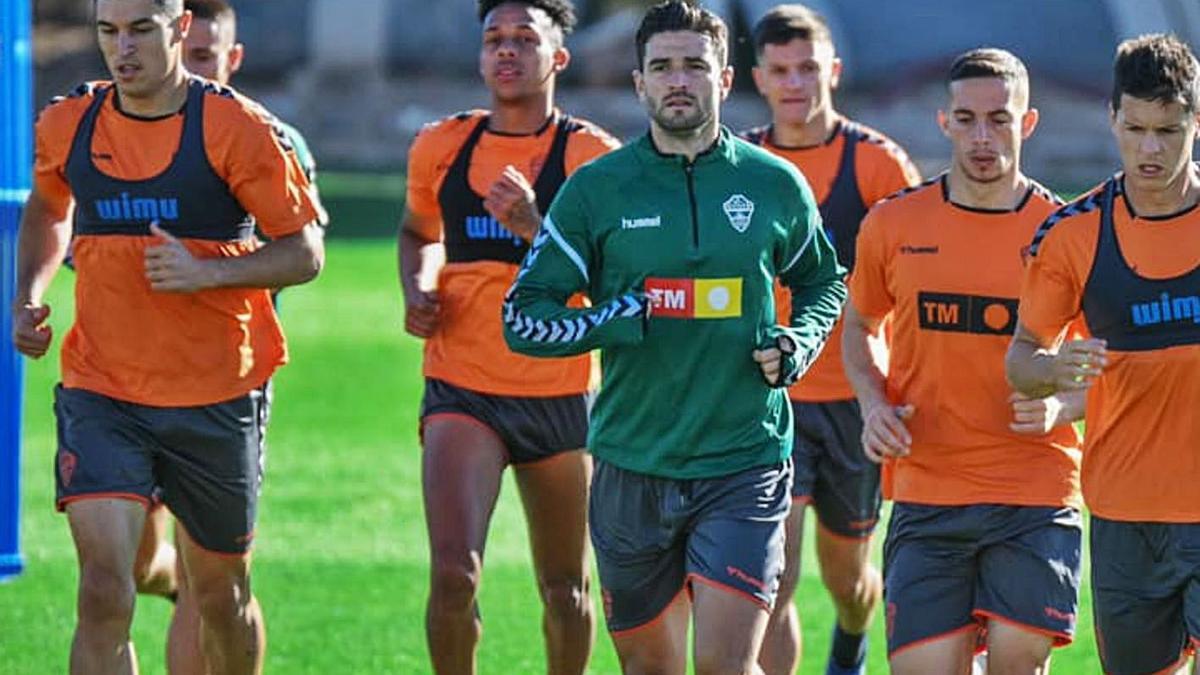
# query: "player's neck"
[1179,195]
[1004,194]
[167,100]
[522,117]
[815,131]
[689,144]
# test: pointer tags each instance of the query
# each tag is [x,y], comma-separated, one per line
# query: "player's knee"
[1020,655]
[566,597]
[106,596]
[455,584]
[220,598]
[852,585]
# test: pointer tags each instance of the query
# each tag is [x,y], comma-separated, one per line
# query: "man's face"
[986,124]
[522,50]
[682,81]
[211,50]
[797,79]
[1155,141]
[140,44]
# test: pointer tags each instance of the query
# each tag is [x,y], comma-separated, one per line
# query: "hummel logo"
[639,223]
[918,250]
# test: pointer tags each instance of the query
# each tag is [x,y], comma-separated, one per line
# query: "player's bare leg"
[729,631]
[951,654]
[233,634]
[462,464]
[554,492]
[660,646]
[106,534]
[1013,651]
[154,566]
[185,653]
[784,642]
[855,585]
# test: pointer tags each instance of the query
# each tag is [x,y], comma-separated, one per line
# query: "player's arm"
[284,261]
[45,234]
[1039,368]
[1038,416]
[420,256]
[537,320]
[809,269]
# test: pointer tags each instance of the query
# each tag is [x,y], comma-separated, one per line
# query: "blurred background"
[359,77]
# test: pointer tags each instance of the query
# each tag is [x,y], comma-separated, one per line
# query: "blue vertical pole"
[16,159]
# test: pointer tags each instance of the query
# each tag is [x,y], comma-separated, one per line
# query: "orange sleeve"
[884,170]
[55,131]
[869,291]
[266,178]
[1052,287]
[425,160]
[586,145]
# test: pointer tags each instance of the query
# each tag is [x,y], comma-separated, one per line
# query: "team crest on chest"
[739,209]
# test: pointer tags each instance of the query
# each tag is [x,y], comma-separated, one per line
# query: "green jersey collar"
[720,150]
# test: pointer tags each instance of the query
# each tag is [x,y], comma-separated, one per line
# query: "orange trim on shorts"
[543,461]
[974,625]
[857,539]
[1179,663]
[802,499]
[616,634]
[146,502]
[1060,639]
[729,589]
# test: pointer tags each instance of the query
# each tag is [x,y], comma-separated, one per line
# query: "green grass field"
[341,555]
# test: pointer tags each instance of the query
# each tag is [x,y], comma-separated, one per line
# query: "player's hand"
[774,362]
[31,333]
[1078,363]
[884,433]
[171,267]
[421,313]
[1035,416]
[512,201]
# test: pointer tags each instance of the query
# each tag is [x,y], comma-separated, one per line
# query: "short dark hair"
[211,10]
[172,8]
[561,12]
[992,62]
[1157,67]
[682,15]
[784,23]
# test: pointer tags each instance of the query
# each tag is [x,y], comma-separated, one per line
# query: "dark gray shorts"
[832,472]
[532,428]
[950,568]
[203,462]
[1145,593]
[655,535]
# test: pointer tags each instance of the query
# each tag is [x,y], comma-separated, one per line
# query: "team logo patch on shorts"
[694,298]
[66,466]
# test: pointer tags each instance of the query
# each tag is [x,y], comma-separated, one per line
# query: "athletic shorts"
[653,536]
[1145,593]
[531,428]
[953,568]
[832,472]
[203,462]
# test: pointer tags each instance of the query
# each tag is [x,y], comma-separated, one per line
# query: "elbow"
[311,260]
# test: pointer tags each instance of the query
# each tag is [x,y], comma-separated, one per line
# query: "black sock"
[848,650]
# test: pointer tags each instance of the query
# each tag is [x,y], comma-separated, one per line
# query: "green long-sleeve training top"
[701,243]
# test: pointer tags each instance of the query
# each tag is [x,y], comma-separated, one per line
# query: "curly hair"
[561,12]
[1157,68]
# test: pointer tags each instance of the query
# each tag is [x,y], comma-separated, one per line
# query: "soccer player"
[174,334]
[983,543]
[1124,258]
[691,431]
[850,167]
[478,183]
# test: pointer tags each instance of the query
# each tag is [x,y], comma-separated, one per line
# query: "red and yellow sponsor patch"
[694,298]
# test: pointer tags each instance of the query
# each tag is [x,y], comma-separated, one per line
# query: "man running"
[691,430]
[1124,258]
[167,175]
[850,167]
[983,545]
[478,183]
